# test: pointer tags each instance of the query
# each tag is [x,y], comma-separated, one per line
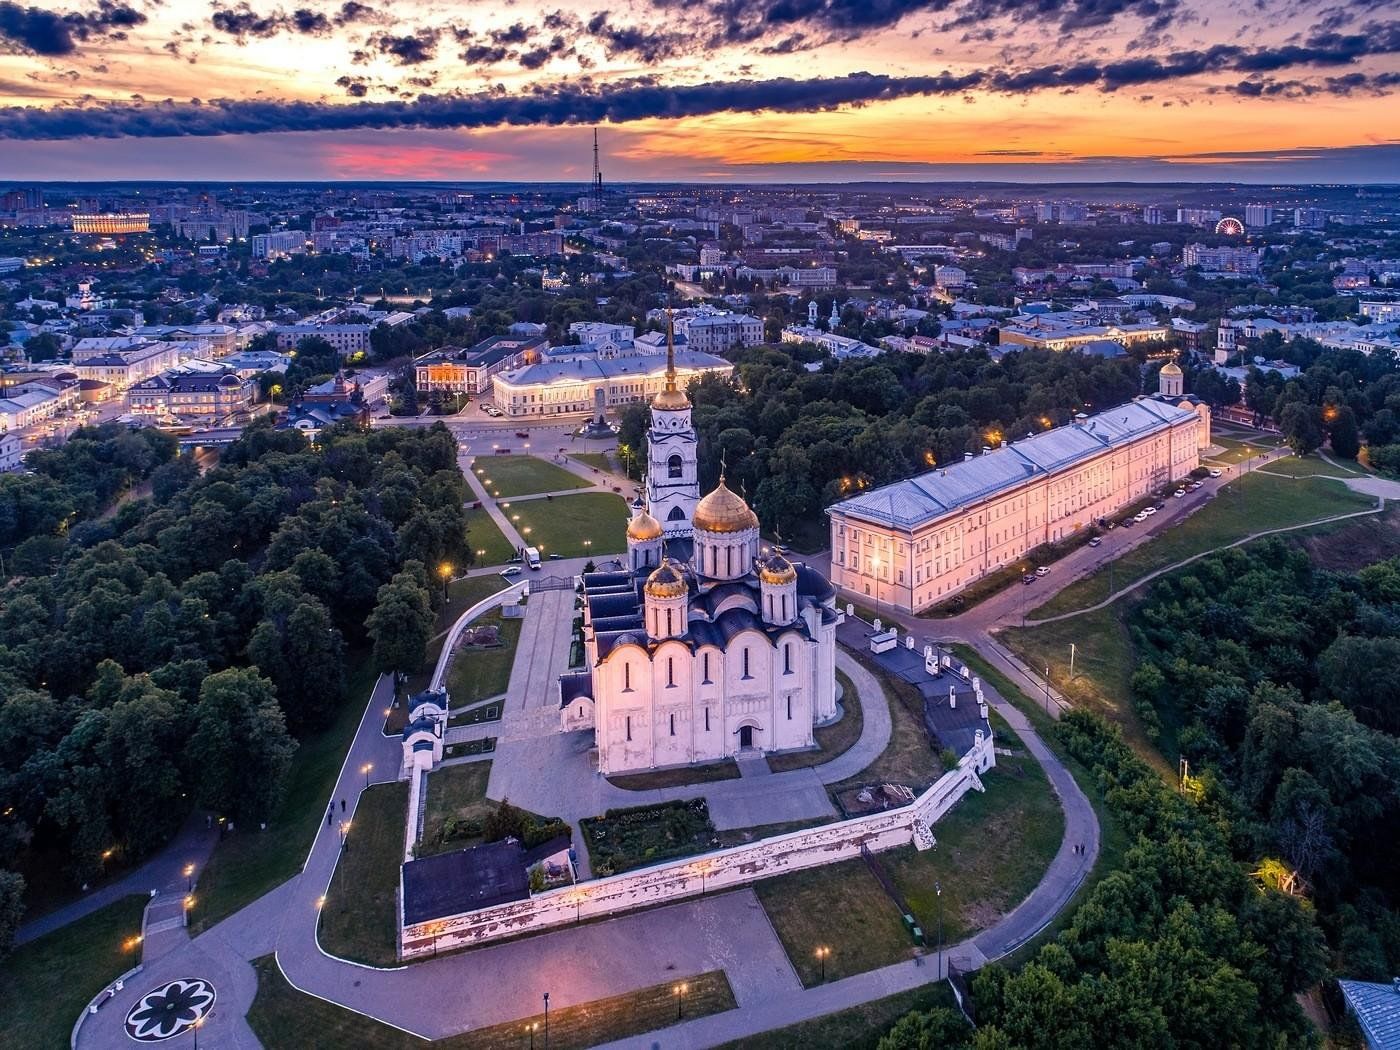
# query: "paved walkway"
[191,845]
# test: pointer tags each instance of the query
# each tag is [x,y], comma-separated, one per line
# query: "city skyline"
[821,90]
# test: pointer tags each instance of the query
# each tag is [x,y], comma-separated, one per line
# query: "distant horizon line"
[710,184]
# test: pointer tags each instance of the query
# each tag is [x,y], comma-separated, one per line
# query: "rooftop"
[917,501]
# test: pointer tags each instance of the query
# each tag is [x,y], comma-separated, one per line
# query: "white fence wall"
[678,880]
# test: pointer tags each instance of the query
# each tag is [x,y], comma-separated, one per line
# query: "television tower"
[597,176]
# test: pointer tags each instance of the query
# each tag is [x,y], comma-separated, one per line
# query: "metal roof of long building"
[917,501]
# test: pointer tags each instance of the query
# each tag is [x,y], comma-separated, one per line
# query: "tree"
[936,1029]
[11,909]
[1343,432]
[240,748]
[42,347]
[400,625]
[1302,427]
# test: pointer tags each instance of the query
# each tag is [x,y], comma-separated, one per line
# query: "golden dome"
[1171,368]
[724,510]
[644,527]
[666,582]
[776,569]
[671,397]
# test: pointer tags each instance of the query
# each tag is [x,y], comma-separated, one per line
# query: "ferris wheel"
[1230,227]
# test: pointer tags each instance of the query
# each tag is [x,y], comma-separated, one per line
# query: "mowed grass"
[992,850]
[286,1019]
[462,595]
[47,983]
[837,906]
[358,920]
[563,525]
[1255,503]
[596,460]
[507,476]
[908,758]
[483,534]
[1307,466]
[831,740]
[455,793]
[857,1028]
[655,779]
[249,863]
[475,674]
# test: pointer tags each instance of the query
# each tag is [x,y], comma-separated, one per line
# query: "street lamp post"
[1047,689]
[822,953]
[680,999]
[198,1024]
[546,1021]
[445,570]
[367,769]
[938,893]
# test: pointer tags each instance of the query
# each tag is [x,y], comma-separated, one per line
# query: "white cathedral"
[706,644]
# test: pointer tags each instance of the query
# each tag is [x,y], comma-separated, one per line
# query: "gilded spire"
[671,396]
[670,353]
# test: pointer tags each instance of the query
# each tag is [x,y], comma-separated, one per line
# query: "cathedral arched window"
[787,659]
[676,514]
[674,466]
[670,671]
[746,663]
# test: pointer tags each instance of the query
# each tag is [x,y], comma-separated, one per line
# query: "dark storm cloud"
[32,30]
[409,49]
[641,98]
[241,21]
[553,105]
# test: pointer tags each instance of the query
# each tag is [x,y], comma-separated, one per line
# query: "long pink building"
[915,543]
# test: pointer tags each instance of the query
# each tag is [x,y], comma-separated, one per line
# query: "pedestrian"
[328,816]
[342,805]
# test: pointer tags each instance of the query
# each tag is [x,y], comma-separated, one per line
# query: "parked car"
[555,557]
[1042,571]
[1028,579]
[510,570]
[1147,512]
[1215,473]
[522,433]
[1096,540]
[1127,523]
[1179,493]
[1139,517]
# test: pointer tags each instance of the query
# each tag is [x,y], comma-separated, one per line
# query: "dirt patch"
[1355,544]
[982,915]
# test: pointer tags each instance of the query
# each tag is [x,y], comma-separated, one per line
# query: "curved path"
[1149,577]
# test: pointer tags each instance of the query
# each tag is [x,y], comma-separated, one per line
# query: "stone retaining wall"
[691,877]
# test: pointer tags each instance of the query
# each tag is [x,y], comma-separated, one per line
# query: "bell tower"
[673,478]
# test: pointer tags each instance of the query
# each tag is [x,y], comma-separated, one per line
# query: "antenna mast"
[597,176]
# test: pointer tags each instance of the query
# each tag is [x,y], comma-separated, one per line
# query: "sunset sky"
[730,90]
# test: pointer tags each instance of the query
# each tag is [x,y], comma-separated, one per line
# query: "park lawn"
[838,906]
[47,983]
[483,534]
[475,674]
[592,523]
[1103,664]
[1113,838]
[1252,504]
[249,863]
[992,850]
[832,740]
[358,920]
[455,793]
[507,476]
[855,1028]
[286,1019]
[1349,546]
[1305,466]
[908,758]
[462,593]
[596,460]
[654,779]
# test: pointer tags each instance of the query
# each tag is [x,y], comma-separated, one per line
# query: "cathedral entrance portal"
[745,737]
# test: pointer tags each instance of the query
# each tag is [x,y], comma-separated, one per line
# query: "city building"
[918,542]
[11,452]
[714,332]
[575,384]
[1198,216]
[217,397]
[1376,1007]
[705,646]
[1257,216]
[279,245]
[1381,311]
[111,223]
[35,401]
[841,346]
[1230,259]
[459,370]
[123,368]
[1309,218]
